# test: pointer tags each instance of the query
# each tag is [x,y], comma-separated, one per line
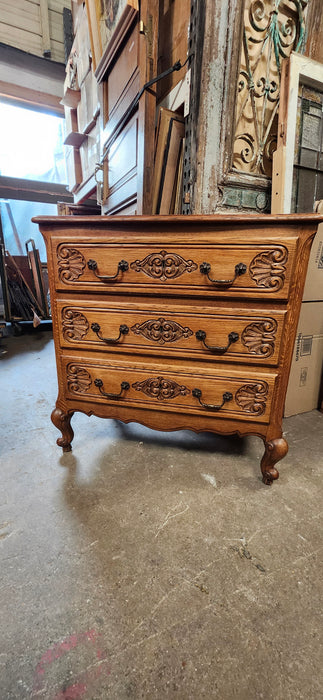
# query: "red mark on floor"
[73,692]
[61,648]
[86,681]
[82,684]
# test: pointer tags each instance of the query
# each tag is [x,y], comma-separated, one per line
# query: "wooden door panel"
[121,176]
[128,126]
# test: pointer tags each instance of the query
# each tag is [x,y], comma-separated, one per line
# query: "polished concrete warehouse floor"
[153,565]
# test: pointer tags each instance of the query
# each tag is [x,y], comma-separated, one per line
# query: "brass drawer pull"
[123,266]
[217,349]
[227,396]
[240,269]
[124,386]
[123,330]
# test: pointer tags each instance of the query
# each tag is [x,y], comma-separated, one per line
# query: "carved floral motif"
[163,265]
[161,330]
[252,398]
[259,337]
[160,388]
[78,379]
[74,324]
[71,263]
[268,268]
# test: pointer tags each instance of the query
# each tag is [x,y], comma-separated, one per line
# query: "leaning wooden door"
[128,124]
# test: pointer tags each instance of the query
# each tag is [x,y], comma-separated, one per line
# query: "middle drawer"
[231,334]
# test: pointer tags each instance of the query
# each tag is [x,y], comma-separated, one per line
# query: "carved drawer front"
[227,335]
[232,395]
[219,269]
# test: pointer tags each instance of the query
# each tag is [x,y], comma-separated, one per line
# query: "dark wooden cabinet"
[178,322]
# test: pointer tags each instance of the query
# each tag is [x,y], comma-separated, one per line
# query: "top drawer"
[239,269]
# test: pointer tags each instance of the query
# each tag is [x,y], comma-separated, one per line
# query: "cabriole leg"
[62,421]
[274,451]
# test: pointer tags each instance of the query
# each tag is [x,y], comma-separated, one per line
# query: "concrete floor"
[152,565]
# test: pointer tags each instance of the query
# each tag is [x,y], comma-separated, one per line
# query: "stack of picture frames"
[168,164]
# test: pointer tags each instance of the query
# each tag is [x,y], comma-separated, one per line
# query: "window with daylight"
[33,148]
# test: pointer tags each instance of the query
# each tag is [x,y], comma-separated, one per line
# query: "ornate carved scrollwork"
[252,398]
[71,263]
[74,324]
[163,265]
[161,330]
[160,388]
[268,268]
[259,337]
[78,379]
[272,29]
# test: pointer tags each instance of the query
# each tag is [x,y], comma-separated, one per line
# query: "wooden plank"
[283,103]
[148,44]
[111,49]
[32,190]
[314,31]
[58,53]
[112,17]
[27,19]
[33,97]
[29,42]
[24,12]
[174,19]
[122,71]
[92,11]
[44,25]
[85,190]
[58,5]
[36,272]
[24,22]
[170,171]
[278,179]
[56,27]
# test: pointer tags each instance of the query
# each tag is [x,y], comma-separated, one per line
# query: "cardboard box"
[306,369]
[313,290]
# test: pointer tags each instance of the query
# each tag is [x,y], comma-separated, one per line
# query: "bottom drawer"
[245,396]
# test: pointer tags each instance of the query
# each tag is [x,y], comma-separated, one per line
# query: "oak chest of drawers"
[177,322]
